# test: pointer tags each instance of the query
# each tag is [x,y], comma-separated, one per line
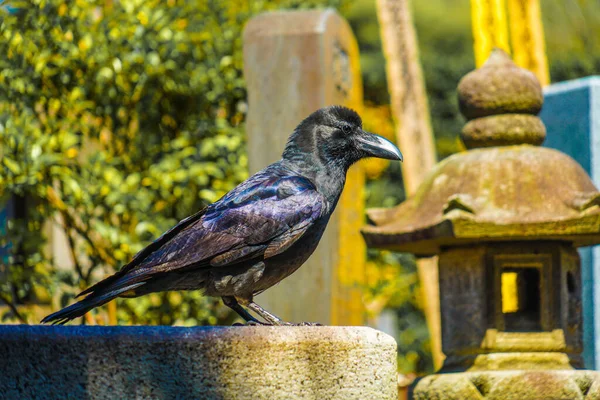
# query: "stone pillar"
[54,362]
[296,62]
[571,114]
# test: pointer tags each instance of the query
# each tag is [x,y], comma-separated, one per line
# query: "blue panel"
[588,292]
[5,212]
[568,112]
[4,7]
[566,115]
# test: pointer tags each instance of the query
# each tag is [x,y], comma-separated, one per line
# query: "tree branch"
[13,308]
[70,222]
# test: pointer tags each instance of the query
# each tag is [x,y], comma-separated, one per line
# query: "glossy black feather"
[270,205]
[263,208]
[142,254]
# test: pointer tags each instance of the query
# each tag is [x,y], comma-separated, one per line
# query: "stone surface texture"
[497,193]
[499,87]
[505,187]
[474,328]
[510,385]
[196,363]
[501,102]
[501,130]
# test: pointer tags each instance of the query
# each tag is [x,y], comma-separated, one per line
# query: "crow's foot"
[232,303]
[252,323]
[280,323]
[271,320]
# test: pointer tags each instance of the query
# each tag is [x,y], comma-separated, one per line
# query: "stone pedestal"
[505,385]
[196,363]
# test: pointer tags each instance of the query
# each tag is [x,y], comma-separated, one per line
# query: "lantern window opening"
[521,283]
[521,298]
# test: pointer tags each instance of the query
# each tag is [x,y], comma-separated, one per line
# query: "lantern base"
[510,384]
[509,361]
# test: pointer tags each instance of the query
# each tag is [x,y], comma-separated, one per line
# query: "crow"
[257,234]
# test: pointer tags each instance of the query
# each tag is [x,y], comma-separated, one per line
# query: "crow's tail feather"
[91,301]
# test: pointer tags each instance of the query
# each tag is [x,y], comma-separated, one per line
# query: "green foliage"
[116,122]
[362,17]
[571,28]
[394,285]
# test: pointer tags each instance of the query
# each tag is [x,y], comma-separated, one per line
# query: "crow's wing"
[148,250]
[259,220]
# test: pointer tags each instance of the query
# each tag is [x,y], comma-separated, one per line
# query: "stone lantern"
[505,218]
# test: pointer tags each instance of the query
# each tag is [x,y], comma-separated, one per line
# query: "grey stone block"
[91,362]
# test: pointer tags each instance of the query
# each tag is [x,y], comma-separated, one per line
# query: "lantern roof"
[504,187]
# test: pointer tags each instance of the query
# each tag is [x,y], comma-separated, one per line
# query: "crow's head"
[335,136]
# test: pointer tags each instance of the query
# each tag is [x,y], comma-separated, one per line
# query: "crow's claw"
[256,323]
[251,323]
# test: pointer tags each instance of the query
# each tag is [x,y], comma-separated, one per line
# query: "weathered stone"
[510,385]
[501,101]
[196,363]
[511,192]
[499,87]
[503,130]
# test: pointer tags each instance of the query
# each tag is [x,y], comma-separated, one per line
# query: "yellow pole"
[112,312]
[489,28]
[527,37]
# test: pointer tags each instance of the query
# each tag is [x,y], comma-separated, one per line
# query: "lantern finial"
[501,102]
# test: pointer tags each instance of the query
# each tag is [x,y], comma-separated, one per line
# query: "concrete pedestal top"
[196,363]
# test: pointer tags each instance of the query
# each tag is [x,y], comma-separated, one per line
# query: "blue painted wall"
[571,114]
[6,211]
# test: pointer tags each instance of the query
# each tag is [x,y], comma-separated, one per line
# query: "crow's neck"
[329,179]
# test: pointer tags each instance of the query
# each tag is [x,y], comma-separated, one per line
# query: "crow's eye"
[346,129]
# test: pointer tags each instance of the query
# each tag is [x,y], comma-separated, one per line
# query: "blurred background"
[119,118]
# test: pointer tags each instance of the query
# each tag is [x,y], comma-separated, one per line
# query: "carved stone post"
[296,62]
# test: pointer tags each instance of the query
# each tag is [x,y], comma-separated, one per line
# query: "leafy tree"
[116,122]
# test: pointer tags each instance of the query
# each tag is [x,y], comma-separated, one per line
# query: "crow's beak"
[378,146]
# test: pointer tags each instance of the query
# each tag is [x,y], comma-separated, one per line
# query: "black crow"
[257,234]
